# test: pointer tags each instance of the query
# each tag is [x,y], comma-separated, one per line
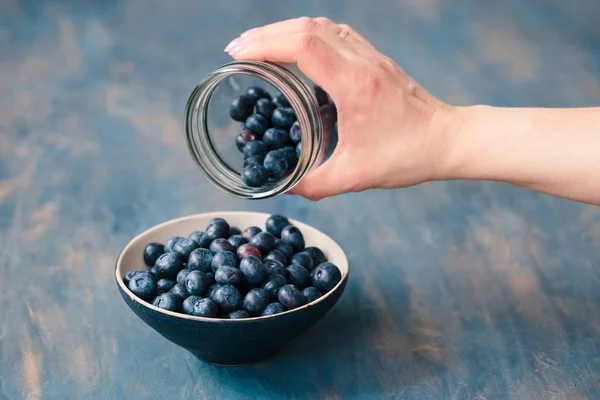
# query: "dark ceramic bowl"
[224,341]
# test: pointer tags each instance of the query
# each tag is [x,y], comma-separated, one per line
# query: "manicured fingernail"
[248,31]
[230,45]
[235,50]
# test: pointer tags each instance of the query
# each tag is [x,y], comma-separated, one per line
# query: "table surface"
[460,290]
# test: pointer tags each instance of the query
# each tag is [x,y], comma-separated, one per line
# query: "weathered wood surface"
[459,290]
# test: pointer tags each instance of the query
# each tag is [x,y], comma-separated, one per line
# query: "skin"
[413,136]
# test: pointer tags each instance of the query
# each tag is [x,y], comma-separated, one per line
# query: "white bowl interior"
[131,257]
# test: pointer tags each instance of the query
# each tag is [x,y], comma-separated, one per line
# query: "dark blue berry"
[276,138]
[253,160]
[143,286]
[210,277]
[169,264]
[184,247]
[317,255]
[239,314]
[164,285]
[255,175]
[311,294]
[182,275]
[197,283]
[293,236]
[304,259]
[224,259]
[204,241]
[253,270]
[258,93]
[291,297]
[272,283]
[328,115]
[275,224]
[180,290]
[290,156]
[154,272]
[241,107]
[217,229]
[263,241]
[283,117]
[229,276]
[264,107]
[296,133]
[272,309]
[298,150]
[188,304]
[130,275]
[276,255]
[236,241]
[326,276]
[274,267]
[284,247]
[280,101]
[221,245]
[196,236]
[234,230]
[276,165]
[211,290]
[205,308]
[247,250]
[298,275]
[250,232]
[256,300]
[151,253]
[201,260]
[255,148]
[228,298]
[167,301]
[257,124]
[244,137]
[321,95]
[171,242]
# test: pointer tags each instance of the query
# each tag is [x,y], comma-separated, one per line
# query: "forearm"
[555,151]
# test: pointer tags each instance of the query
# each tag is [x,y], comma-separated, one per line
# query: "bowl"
[225,341]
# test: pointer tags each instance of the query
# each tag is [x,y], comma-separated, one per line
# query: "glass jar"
[211,133]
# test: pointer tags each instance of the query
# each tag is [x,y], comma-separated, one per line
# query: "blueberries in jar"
[291,297]
[224,259]
[247,250]
[283,117]
[258,160]
[167,301]
[221,245]
[201,260]
[255,148]
[280,101]
[328,114]
[250,232]
[255,301]
[258,93]
[325,276]
[290,155]
[143,286]
[311,294]
[273,308]
[298,149]
[276,255]
[298,275]
[229,276]
[253,270]
[296,133]
[246,136]
[276,138]
[241,107]
[276,165]
[228,298]
[275,224]
[321,95]
[304,259]
[258,124]
[151,253]
[169,264]
[263,241]
[264,107]
[255,175]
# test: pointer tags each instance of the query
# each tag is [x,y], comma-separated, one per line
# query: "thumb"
[326,180]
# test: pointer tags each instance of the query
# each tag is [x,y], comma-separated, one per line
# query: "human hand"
[391,132]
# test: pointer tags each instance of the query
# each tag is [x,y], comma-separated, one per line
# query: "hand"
[392,133]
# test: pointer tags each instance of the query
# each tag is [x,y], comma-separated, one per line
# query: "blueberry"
[276,138]
[291,297]
[298,150]
[290,156]
[184,247]
[151,253]
[276,165]
[283,117]
[264,242]
[280,101]
[224,259]
[210,277]
[258,124]
[328,114]
[167,301]
[284,247]
[171,242]
[296,133]
[326,276]
[180,290]
[234,230]
[317,255]
[247,250]
[272,283]
[274,267]
[236,241]
[264,107]
[200,259]
[188,304]
[169,265]
[255,301]
[204,308]
[228,298]
[229,276]
[304,259]
[143,286]
[293,236]
[253,269]
[275,224]
[255,148]
[258,93]
[221,245]
[129,276]
[164,285]
[276,255]
[217,229]
[196,283]
[272,309]
[211,290]
[253,160]
[196,236]
[321,95]
[182,275]
[255,175]
[239,314]
[154,273]
[298,275]
[244,137]
[311,294]
[250,232]
[241,107]
[204,241]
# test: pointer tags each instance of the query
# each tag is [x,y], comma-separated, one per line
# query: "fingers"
[329,179]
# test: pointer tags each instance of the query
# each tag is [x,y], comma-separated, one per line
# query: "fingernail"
[230,45]
[248,31]
[235,50]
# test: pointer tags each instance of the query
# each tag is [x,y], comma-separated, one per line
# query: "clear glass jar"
[211,133]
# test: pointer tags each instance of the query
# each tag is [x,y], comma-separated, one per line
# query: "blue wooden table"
[460,290]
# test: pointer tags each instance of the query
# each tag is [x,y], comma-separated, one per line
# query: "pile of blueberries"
[224,272]
[271,140]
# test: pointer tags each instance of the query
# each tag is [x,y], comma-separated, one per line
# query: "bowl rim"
[224,215]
